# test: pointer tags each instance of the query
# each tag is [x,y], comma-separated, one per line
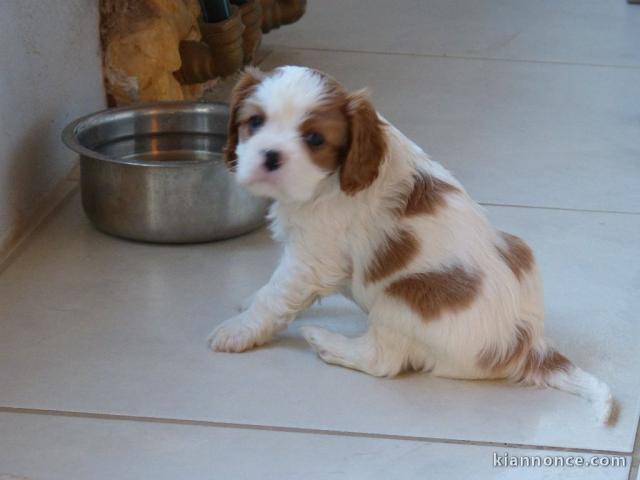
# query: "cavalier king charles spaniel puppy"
[363,211]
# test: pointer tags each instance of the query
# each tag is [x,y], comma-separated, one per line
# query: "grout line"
[456,57]
[300,430]
[563,209]
[635,459]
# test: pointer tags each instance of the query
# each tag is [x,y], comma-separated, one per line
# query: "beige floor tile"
[513,133]
[62,448]
[583,31]
[96,324]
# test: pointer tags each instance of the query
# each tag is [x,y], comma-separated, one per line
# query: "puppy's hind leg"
[371,353]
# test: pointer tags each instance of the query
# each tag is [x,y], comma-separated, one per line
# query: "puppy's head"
[294,127]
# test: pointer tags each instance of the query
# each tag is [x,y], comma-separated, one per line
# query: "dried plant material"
[141,41]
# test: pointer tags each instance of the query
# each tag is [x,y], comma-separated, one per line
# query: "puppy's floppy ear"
[247,83]
[367,144]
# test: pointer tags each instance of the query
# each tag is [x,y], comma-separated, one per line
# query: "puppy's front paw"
[238,334]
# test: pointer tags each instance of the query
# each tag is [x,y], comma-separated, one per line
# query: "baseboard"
[20,233]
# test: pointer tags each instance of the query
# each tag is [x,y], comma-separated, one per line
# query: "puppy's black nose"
[271,160]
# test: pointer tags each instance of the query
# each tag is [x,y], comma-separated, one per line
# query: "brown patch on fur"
[490,359]
[328,119]
[535,363]
[245,112]
[521,360]
[249,80]
[395,254]
[428,195]
[367,144]
[516,254]
[554,361]
[431,293]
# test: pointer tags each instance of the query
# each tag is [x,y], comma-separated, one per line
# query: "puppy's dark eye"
[255,122]
[314,139]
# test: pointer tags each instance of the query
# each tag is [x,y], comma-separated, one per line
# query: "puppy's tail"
[552,369]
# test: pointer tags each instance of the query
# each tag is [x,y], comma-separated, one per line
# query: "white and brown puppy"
[363,211]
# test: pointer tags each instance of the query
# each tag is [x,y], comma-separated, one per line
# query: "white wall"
[50,73]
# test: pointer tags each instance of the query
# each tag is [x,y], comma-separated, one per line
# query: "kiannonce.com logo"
[507,460]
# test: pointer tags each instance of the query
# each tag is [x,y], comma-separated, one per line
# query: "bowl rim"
[70,139]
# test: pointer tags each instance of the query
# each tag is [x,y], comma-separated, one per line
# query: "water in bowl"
[165,147]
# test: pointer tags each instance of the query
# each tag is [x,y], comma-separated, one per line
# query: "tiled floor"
[115,449]
[104,368]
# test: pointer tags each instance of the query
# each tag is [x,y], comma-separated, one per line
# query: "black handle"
[215,10]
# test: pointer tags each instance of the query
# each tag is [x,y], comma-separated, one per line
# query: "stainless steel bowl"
[155,172]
